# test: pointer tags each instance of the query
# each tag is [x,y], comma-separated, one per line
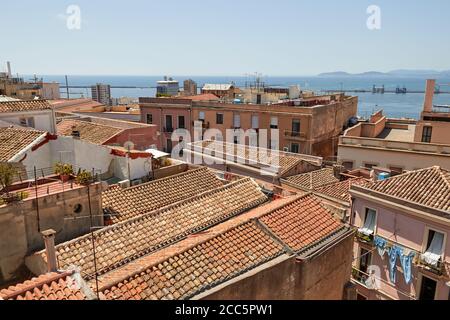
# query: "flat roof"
[404,135]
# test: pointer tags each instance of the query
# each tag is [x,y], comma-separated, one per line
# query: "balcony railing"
[362,237]
[294,135]
[438,269]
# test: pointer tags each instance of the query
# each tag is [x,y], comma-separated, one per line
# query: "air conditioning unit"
[136,182]
[286,149]
[124,184]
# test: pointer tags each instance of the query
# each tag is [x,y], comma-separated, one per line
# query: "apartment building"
[308,126]
[399,144]
[101,93]
[402,248]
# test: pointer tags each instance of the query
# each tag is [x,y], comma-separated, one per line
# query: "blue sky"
[216,37]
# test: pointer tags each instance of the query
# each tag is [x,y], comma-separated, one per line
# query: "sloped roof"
[301,222]
[123,204]
[49,286]
[429,187]
[91,132]
[14,140]
[184,275]
[129,240]
[190,267]
[24,105]
[340,190]
[314,179]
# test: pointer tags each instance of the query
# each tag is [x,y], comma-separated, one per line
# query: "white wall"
[43,120]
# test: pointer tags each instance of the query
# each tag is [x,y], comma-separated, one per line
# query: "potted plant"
[7,173]
[84,177]
[64,170]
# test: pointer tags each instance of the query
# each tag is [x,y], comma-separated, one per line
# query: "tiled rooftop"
[92,132]
[301,223]
[184,275]
[340,190]
[129,240]
[22,105]
[428,187]
[314,179]
[14,140]
[225,251]
[49,286]
[123,204]
[263,157]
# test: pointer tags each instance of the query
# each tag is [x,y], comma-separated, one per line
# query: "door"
[427,289]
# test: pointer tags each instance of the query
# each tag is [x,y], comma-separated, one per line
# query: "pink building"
[402,248]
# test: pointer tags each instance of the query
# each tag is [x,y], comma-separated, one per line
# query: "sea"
[407,105]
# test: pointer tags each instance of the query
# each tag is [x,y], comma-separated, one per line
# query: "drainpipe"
[49,240]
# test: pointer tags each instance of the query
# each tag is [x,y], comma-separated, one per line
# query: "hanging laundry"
[406,262]
[381,245]
[393,253]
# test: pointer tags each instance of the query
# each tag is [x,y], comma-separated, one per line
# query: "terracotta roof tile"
[14,140]
[24,105]
[129,240]
[428,187]
[49,286]
[313,179]
[265,158]
[92,132]
[128,203]
[198,268]
[302,222]
[340,190]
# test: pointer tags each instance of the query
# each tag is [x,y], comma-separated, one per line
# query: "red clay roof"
[49,286]
[202,97]
[340,190]
[24,105]
[429,187]
[301,222]
[123,204]
[92,132]
[14,140]
[129,240]
[314,179]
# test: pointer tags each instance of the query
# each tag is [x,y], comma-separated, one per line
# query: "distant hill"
[393,73]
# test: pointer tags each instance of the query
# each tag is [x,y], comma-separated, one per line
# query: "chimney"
[49,240]
[429,94]
[337,170]
[8,67]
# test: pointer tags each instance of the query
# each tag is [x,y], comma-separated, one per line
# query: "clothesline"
[389,284]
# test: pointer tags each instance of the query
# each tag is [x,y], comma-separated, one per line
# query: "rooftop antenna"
[67,88]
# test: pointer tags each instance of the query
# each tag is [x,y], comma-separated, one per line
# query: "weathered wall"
[19,235]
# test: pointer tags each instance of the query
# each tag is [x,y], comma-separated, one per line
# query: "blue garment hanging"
[381,245]
[406,261]
[393,253]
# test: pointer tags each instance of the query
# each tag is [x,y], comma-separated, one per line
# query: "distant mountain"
[393,73]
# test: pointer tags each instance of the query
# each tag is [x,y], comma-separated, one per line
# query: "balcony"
[294,135]
[438,269]
[364,238]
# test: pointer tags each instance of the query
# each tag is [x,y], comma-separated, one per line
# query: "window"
[169,126]
[258,99]
[348,165]
[273,123]
[149,118]
[255,122]
[169,146]
[369,222]
[219,118]
[369,165]
[427,289]
[201,116]
[426,134]
[27,122]
[181,124]
[295,127]
[295,148]
[237,120]
[434,248]
[396,170]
